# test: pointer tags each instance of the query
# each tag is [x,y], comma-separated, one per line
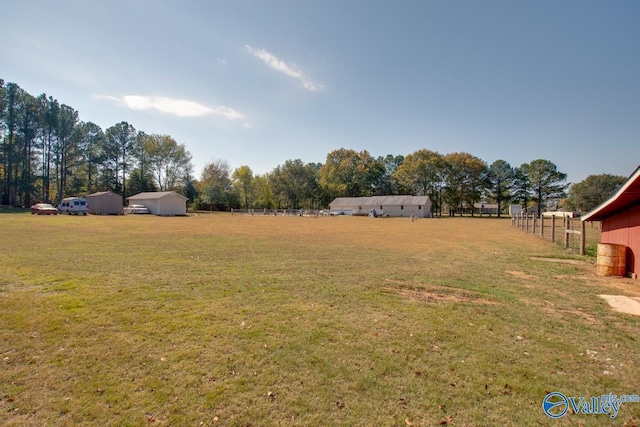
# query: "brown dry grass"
[240,320]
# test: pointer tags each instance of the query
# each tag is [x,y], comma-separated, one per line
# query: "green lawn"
[249,320]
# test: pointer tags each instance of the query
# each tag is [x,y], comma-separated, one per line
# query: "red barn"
[620,216]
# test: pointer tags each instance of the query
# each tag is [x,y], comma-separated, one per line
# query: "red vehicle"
[43,209]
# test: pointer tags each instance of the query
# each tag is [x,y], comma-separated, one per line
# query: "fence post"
[567,225]
[582,237]
[541,226]
[553,229]
[535,220]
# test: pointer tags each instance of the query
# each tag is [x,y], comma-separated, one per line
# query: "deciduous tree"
[592,191]
[169,161]
[243,180]
[422,173]
[387,182]
[215,184]
[347,173]
[465,180]
[294,183]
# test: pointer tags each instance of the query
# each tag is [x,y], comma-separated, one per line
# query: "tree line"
[47,153]
[454,182]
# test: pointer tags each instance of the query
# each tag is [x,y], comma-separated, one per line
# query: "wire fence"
[280,212]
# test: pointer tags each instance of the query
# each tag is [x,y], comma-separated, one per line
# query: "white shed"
[402,206]
[165,203]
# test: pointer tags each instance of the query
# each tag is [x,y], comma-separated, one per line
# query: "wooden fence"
[570,232]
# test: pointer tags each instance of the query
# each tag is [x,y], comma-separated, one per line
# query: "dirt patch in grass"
[559,260]
[426,295]
[434,293]
[568,314]
[521,274]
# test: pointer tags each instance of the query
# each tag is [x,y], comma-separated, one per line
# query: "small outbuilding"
[164,203]
[620,217]
[398,206]
[486,208]
[104,203]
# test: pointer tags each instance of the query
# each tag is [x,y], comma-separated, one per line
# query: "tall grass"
[250,320]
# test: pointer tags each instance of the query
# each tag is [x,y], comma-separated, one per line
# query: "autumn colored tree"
[464,180]
[422,173]
[244,182]
[348,173]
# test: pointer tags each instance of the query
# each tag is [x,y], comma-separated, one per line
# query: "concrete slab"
[623,304]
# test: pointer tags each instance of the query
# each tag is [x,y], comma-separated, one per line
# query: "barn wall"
[624,229]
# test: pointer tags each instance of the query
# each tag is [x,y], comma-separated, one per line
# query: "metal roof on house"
[380,201]
[153,195]
[627,196]
[102,193]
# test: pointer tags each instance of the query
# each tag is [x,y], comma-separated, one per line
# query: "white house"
[402,206]
[165,203]
[486,208]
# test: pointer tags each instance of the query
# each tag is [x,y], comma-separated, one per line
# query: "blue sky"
[260,82]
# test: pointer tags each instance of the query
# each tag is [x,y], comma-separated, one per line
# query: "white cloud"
[285,68]
[247,125]
[176,107]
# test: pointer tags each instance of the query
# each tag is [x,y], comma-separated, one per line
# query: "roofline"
[634,176]
[167,193]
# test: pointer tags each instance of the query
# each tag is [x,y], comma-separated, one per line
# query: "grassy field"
[239,320]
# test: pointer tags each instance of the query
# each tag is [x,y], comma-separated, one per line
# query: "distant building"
[397,206]
[164,203]
[104,203]
[486,208]
[515,210]
[620,216]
